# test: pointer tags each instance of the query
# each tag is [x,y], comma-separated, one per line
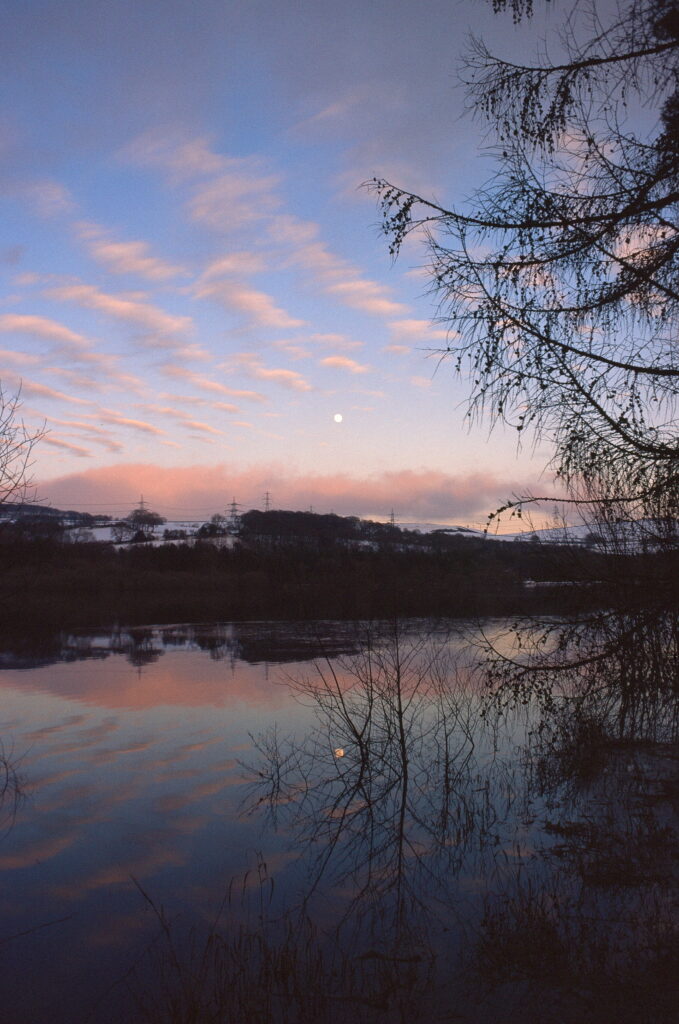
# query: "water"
[377,840]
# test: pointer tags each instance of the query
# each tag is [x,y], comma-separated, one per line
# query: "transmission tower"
[267,502]
[233,515]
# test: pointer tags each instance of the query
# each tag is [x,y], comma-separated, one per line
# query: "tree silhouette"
[16,446]
[558,280]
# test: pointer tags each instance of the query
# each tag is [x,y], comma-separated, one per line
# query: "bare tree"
[16,448]
[558,280]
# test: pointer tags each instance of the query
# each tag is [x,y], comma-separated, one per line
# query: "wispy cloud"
[125,257]
[225,193]
[15,323]
[79,381]
[259,308]
[181,157]
[336,276]
[367,296]
[252,365]
[45,197]
[234,199]
[207,384]
[121,307]
[335,341]
[72,449]
[224,406]
[344,363]
[418,329]
[236,263]
[76,346]
[116,419]
[292,350]
[93,433]
[18,358]
[183,418]
[31,387]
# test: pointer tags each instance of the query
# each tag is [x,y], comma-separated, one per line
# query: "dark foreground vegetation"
[300,566]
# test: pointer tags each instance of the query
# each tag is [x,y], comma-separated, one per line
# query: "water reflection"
[573,861]
[418,784]
[11,790]
[251,642]
[452,863]
[587,931]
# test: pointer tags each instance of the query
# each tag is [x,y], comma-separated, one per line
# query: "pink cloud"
[65,342]
[182,158]
[253,366]
[289,230]
[225,406]
[426,495]
[256,305]
[74,379]
[335,341]
[420,329]
[238,263]
[125,257]
[236,198]
[227,192]
[93,434]
[18,358]
[114,418]
[73,449]
[343,363]
[30,387]
[207,384]
[15,323]
[335,275]
[183,418]
[367,296]
[121,307]
[294,351]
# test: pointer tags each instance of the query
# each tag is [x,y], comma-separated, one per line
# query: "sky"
[196,302]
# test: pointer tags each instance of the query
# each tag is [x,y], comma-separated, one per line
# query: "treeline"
[278,570]
[43,518]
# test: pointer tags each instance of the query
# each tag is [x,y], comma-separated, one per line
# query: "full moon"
[337,417]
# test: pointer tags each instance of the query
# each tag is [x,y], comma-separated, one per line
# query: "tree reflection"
[11,791]
[590,921]
[586,931]
[619,668]
[461,860]
[396,785]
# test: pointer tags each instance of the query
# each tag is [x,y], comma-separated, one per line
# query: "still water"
[284,822]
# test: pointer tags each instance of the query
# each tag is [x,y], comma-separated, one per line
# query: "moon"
[337,417]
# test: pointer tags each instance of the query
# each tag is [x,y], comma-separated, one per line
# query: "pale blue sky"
[192,278]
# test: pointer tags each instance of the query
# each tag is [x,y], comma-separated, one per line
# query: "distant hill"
[17,512]
[302,527]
